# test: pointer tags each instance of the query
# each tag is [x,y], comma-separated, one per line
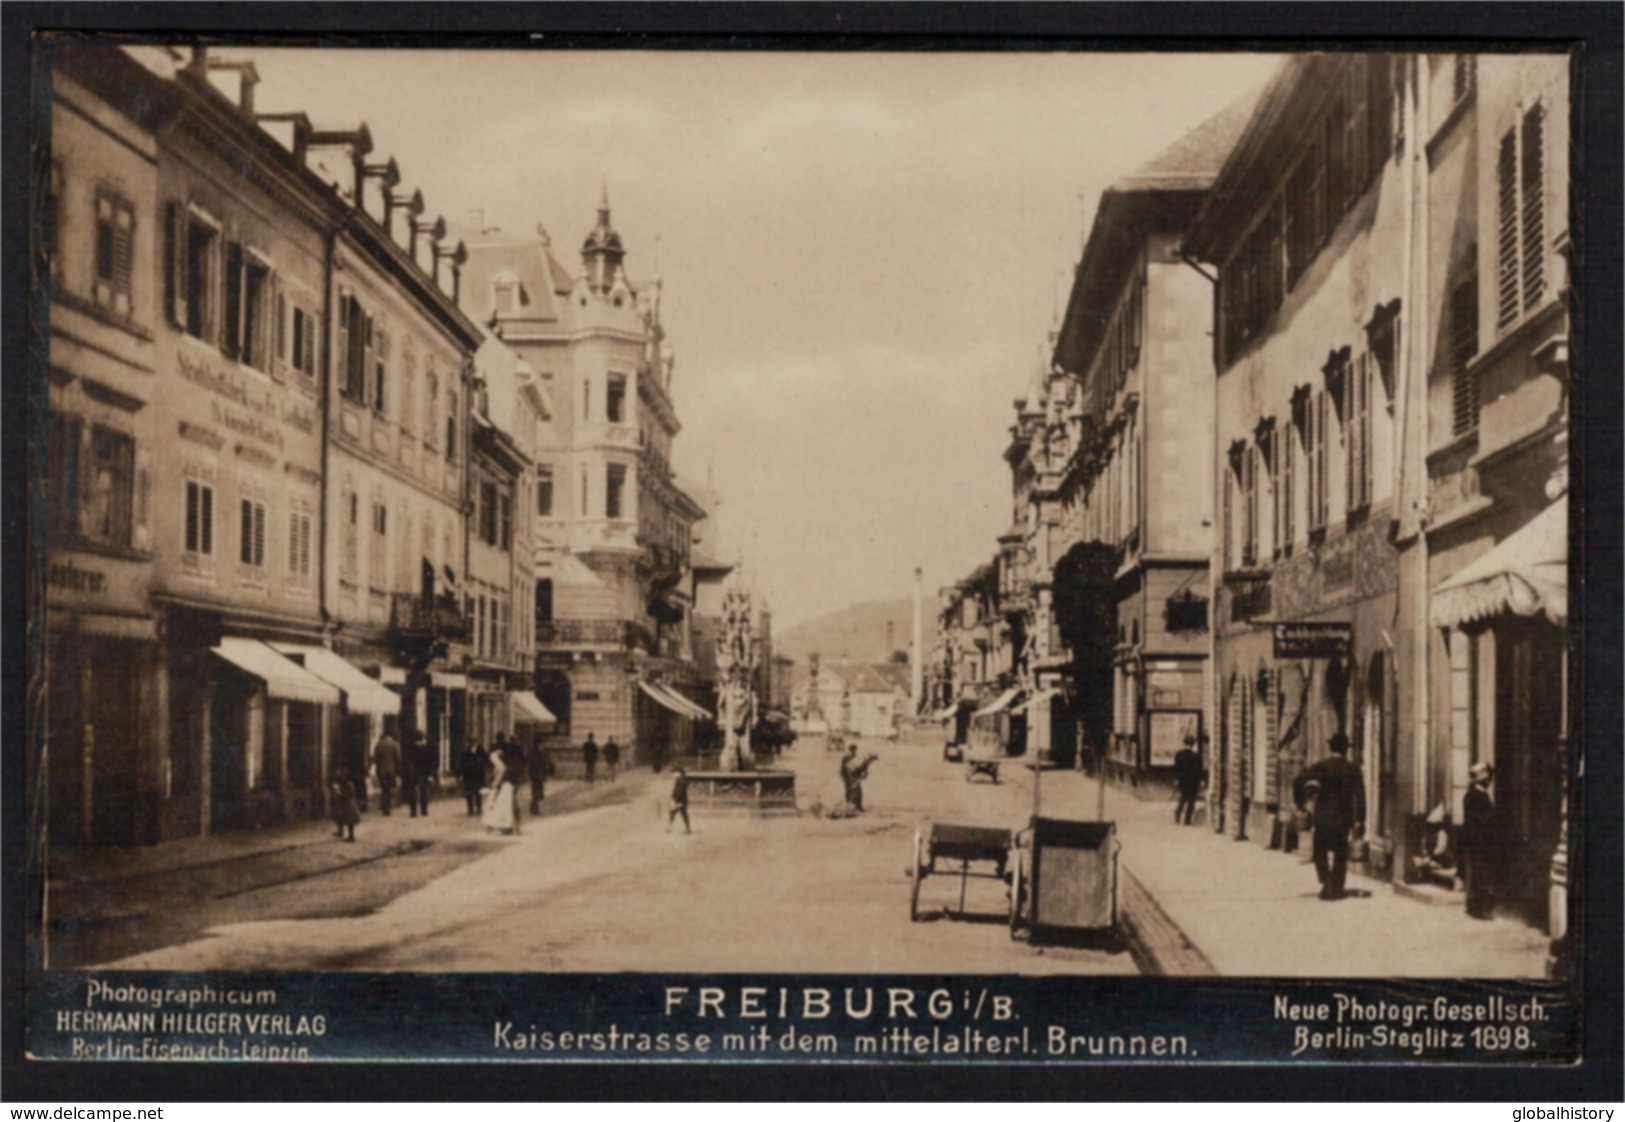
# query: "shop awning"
[528,708]
[361,693]
[392,675]
[1035,699]
[283,679]
[945,714]
[1526,575]
[694,710]
[665,700]
[1000,704]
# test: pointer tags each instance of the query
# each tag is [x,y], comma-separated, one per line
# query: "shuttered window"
[115,252]
[251,548]
[199,518]
[1520,235]
[1357,427]
[1463,345]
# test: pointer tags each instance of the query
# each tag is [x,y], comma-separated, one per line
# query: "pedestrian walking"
[1337,788]
[1476,842]
[589,756]
[679,801]
[501,814]
[612,757]
[1188,777]
[386,765]
[473,768]
[346,814]
[540,766]
[417,773]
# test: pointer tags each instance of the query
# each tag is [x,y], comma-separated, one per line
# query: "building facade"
[613,590]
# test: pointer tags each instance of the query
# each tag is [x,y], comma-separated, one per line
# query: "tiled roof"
[1195,158]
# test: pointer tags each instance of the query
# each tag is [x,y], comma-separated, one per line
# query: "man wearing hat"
[1475,842]
[1338,789]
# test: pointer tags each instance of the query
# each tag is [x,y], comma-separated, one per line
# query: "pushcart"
[1063,876]
[967,845]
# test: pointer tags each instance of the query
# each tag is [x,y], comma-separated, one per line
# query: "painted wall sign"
[1313,640]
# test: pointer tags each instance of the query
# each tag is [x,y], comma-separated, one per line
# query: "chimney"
[916,661]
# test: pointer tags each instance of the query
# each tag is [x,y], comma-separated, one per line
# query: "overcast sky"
[862,253]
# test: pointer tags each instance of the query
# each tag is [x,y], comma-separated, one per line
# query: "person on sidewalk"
[853,773]
[612,757]
[1476,841]
[345,812]
[1188,775]
[1338,790]
[540,766]
[589,757]
[502,814]
[679,801]
[417,773]
[386,765]
[473,767]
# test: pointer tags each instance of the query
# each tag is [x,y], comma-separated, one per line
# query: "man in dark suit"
[1188,775]
[1475,842]
[1338,789]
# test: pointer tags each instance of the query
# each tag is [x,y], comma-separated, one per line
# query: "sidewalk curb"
[1158,944]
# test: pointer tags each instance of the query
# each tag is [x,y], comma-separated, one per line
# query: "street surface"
[597,885]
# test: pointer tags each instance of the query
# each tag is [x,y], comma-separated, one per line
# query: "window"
[586,399]
[194,250]
[451,426]
[93,484]
[380,369]
[1281,527]
[300,339]
[1357,427]
[504,519]
[355,346]
[1463,346]
[1464,79]
[431,407]
[614,489]
[1521,217]
[377,552]
[544,600]
[115,252]
[350,531]
[251,550]
[615,399]
[584,507]
[199,518]
[1249,507]
[299,534]
[1314,447]
[544,491]
[252,344]
[488,512]
[409,386]
[107,515]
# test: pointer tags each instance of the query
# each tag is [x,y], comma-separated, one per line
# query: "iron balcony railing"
[586,632]
[412,615]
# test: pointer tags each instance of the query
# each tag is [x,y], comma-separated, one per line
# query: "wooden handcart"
[1064,877]
[981,767]
[968,845]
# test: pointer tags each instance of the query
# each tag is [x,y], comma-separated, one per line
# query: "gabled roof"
[1194,160]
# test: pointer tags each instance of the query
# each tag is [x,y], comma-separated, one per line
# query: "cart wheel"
[1016,893]
[916,873]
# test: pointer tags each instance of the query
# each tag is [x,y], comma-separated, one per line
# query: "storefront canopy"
[1526,575]
[999,705]
[283,679]
[528,708]
[1036,699]
[361,693]
[698,712]
[666,700]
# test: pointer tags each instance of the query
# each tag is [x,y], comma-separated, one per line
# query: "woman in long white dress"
[500,811]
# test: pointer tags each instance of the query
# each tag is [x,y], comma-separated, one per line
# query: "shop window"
[115,252]
[1521,217]
[251,549]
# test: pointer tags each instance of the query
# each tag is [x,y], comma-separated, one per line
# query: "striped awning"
[283,679]
[1036,699]
[1000,704]
[361,693]
[665,700]
[1525,575]
[529,709]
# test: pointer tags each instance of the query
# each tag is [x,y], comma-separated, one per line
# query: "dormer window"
[507,294]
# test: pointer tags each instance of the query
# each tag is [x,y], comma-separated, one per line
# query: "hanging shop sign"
[1313,640]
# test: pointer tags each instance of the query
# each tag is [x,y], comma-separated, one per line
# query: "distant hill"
[858,632]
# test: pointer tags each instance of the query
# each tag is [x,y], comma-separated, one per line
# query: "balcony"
[583,632]
[413,617]
[1249,594]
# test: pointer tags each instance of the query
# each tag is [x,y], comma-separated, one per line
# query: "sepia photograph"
[878,554]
